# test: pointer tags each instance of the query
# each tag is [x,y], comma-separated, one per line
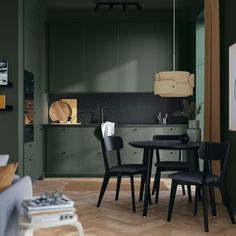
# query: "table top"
[164,144]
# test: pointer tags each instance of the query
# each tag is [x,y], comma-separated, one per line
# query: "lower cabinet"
[75,151]
[29,160]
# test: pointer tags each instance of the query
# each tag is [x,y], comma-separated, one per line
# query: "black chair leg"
[196,199]
[212,199]
[157,185]
[172,199]
[205,211]
[143,177]
[118,187]
[103,189]
[189,193]
[227,203]
[154,183]
[132,192]
[183,189]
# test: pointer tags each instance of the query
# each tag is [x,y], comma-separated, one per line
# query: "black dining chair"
[208,151]
[115,144]
[173,165]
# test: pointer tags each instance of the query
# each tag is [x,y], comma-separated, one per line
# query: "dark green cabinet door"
[66,57]
[101,70]
[162,56]
[73,151]
[135,57]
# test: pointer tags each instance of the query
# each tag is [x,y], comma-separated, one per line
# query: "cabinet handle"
[171,128]
[63,129]
[171,152]
[63,153]
[30,159]
[134,129]
[30,145]
[135,153]
[98,153]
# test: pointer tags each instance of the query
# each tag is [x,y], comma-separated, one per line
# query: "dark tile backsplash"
[130,108]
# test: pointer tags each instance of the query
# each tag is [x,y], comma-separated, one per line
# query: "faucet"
[100,107]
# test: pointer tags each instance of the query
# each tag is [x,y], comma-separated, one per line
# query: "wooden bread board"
[60,111]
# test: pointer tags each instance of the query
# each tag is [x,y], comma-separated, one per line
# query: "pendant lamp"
[174,83]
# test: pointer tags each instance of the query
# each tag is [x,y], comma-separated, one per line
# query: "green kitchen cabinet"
[101,69]
[29,160]
[35,58]
[73,151]
[135,57]
[66,52]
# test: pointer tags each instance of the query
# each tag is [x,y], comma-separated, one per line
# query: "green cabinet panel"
[101,70]
[30,167]
[162,47]
[135,57]
[66,48]
[73,151]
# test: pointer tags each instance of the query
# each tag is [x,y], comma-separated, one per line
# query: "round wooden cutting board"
[60,111]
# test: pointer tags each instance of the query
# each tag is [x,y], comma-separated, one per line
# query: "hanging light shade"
[174,83]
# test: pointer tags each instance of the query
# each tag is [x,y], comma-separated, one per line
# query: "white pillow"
[4,159]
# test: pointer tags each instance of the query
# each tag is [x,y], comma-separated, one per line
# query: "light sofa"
[10,204]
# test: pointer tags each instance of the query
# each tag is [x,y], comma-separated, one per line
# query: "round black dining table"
[148,147]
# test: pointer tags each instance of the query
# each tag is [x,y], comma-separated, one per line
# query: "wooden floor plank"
[115,218]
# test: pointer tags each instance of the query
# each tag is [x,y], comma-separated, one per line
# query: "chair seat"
[194,177]
[128,168]
[172,166]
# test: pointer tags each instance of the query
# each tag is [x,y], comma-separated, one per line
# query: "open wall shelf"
[7,108]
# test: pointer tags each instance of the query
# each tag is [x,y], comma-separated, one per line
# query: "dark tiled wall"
[124,107]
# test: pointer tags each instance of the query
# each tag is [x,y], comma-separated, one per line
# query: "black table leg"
[196,160]
[143,176]
[196,168]
[149,156]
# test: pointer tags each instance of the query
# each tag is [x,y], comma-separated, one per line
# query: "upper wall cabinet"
[66,57]
[135,57]
[101,68]
[107,57]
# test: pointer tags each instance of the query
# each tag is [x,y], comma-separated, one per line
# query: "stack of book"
[38,209]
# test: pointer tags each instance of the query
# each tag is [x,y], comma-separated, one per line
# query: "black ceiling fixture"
[112,4]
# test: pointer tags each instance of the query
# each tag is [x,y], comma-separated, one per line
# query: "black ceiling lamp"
[112,4]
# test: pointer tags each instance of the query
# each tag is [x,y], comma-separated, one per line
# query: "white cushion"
[4,159]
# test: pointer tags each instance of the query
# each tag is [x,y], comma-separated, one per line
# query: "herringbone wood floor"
[116,218]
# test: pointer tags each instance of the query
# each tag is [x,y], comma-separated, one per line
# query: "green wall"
[11,49]
[228,37]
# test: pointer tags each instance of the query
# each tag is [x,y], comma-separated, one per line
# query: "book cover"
[37,203]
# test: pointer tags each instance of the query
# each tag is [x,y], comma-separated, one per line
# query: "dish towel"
[108,129]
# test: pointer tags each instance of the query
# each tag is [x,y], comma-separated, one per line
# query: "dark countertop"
[117,125]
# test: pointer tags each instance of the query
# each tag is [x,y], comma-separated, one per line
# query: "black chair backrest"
[210,151]
[166,137]
[158,137]
[111,143]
